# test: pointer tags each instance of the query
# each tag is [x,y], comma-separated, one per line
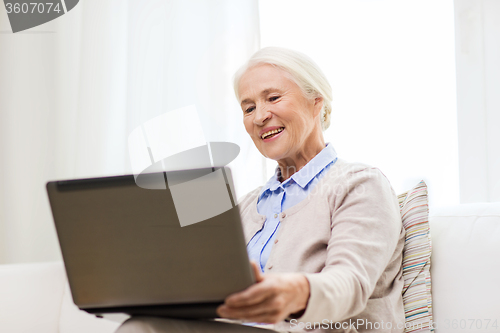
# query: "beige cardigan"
[347,237]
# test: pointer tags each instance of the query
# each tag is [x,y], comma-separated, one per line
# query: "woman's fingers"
[261,312]
[256,271]
[268,301]
[254,294]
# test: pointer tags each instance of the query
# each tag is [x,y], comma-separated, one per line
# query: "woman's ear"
[318,105]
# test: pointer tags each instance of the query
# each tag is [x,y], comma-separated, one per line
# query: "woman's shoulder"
[351,174]
[345,169]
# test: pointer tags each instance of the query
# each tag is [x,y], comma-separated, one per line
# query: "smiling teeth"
[267,134]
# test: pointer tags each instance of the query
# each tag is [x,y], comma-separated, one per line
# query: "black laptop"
[126,250]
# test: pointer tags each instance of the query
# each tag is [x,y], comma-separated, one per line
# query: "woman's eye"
[250,109]
[272,99]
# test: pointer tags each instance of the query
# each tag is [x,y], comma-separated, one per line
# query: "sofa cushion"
[466,267]
[417,297]
[30,297]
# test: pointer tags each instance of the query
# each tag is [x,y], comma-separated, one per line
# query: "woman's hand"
[270,300]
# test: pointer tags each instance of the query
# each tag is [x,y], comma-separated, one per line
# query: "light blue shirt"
[276,197]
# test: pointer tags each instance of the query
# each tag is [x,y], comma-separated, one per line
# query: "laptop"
[126,249]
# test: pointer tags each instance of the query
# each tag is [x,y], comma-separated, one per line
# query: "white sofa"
[35,298]
[465,281]
[465,267]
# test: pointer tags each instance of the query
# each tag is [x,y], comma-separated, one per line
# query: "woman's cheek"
[247,122]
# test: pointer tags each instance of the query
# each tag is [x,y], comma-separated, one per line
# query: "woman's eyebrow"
[268,90]
[262,93]
[246,101]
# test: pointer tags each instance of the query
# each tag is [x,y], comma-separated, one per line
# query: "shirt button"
[283,215]
[275,215]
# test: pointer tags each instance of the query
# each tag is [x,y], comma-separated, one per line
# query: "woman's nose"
[262,114]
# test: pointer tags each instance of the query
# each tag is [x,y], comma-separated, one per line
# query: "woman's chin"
[274,148]
[273,154]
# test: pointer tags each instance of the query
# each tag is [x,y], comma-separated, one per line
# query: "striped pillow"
[416,259]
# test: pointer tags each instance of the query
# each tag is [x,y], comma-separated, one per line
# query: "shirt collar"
[306,174]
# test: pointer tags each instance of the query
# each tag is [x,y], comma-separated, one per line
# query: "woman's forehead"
[262,79]
[264,71]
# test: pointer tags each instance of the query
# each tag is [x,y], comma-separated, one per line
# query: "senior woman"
[325,236]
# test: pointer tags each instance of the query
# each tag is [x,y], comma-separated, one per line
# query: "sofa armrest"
[36,298]
[465,267]
[30,297]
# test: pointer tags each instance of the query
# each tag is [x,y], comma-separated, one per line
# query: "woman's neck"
[290,166]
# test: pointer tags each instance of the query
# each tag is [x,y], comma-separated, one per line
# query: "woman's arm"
[364,254]
[365,237]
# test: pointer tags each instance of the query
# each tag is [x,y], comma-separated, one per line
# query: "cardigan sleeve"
[365,230]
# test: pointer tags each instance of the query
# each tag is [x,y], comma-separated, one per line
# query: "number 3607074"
[32,7]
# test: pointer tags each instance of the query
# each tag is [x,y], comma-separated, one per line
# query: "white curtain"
[73,89]
[477,25]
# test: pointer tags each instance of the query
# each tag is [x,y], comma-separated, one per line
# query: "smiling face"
[283,123]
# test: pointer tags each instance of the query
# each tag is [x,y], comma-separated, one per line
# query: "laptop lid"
[124,245]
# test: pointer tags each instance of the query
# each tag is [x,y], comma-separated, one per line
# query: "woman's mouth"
[272,134]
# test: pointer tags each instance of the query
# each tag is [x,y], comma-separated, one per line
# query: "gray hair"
[303,71]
